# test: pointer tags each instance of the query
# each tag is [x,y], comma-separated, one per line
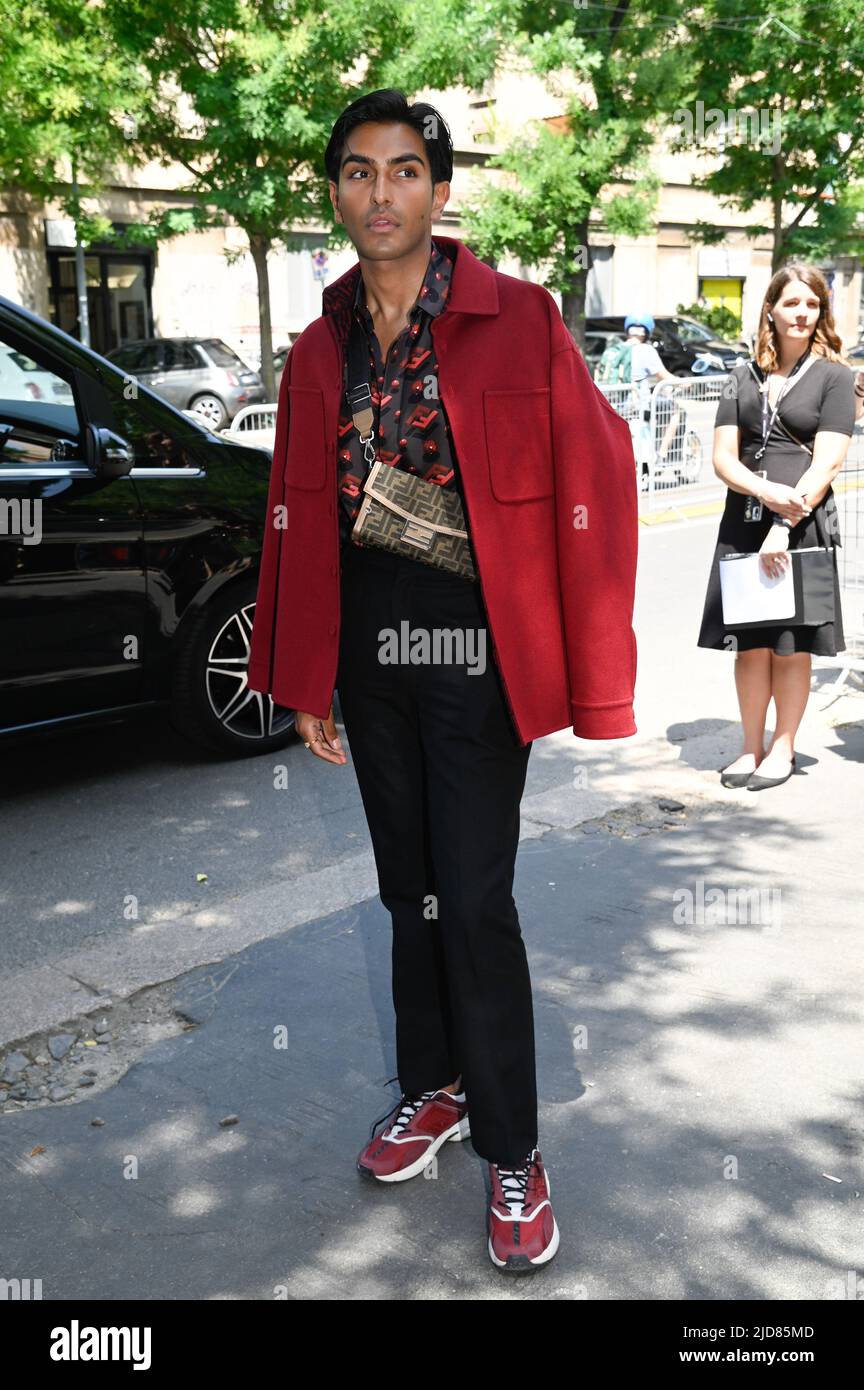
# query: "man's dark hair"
[389,104]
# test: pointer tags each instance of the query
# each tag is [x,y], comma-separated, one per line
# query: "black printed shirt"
[411,428]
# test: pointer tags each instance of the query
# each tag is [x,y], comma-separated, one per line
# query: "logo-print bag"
[399,511]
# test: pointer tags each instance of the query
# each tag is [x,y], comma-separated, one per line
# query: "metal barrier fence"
[680,435]
[672,425]
[254,424]
[849,495]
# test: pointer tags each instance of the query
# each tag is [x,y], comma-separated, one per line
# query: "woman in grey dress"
[790,415]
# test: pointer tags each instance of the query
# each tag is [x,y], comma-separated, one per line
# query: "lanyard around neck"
[768,425]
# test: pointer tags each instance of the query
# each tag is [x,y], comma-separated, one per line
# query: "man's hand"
[774,551]
[321,736]
[784,500]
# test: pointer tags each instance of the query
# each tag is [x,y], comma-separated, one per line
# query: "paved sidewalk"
[699,1081]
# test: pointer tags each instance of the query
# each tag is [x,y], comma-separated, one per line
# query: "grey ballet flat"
[755,783]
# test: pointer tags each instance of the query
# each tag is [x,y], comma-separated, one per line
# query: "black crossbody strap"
[357,389]
[786,430]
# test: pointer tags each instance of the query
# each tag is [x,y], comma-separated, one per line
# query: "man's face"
[385,174]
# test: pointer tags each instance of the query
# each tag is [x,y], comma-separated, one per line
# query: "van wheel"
[211,702]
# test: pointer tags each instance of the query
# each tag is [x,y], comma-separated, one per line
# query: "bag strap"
[357,389]
[799,442]
[817,511]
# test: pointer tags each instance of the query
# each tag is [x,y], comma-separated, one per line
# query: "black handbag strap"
[822,509]
[800,442]
[357,391]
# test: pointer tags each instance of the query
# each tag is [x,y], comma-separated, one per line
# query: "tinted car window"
[39,422]
[160,436]
[138,357]
[220,353]
[691,332]
[151,358]
[180,357]
[126,357]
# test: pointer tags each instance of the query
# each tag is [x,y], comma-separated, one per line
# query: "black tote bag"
[813,583]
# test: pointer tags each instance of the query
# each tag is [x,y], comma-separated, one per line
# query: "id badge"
[753,505]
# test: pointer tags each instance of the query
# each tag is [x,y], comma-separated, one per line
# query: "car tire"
[210,700]
[211,409]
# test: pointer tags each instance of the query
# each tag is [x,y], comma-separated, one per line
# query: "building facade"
[204,285]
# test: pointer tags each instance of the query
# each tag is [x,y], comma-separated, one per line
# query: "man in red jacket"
[476,388]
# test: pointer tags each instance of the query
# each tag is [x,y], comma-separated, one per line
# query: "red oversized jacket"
[549,479]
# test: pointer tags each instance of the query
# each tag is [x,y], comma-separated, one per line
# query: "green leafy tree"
[244,96]
[67,94]
[69,104]
[617,69]
[789,79]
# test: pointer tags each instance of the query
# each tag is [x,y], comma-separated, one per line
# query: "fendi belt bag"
[399,511]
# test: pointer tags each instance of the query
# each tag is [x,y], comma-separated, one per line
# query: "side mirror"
[108,454]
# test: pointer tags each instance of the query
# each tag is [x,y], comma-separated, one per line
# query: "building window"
[119,299]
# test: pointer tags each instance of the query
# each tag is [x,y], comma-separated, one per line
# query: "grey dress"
[823,399]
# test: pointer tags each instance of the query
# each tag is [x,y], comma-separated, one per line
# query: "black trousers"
[441,774]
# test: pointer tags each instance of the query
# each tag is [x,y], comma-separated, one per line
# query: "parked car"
[21,379]
[130,543]
[686,348]
[203,375]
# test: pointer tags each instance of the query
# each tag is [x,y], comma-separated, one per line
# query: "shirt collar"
[433,292]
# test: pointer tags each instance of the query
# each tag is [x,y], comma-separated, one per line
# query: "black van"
[130,540]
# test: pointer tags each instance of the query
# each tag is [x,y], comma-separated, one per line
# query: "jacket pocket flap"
[519,443]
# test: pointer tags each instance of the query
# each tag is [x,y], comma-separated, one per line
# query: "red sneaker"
[523,1233]
[422,1124]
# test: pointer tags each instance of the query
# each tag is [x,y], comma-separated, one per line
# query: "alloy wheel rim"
[243,712]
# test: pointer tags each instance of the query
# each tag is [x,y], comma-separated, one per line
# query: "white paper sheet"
[749,594]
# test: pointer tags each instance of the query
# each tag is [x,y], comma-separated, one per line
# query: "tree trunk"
[777,249]
[80,267]
[259,246]
[573,295]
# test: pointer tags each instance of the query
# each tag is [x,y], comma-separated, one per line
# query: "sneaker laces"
[514,1183]
[406,1106]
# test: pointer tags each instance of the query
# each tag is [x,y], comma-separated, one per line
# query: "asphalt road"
[706,1142]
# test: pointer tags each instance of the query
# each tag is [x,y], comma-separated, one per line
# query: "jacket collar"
[473,284]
